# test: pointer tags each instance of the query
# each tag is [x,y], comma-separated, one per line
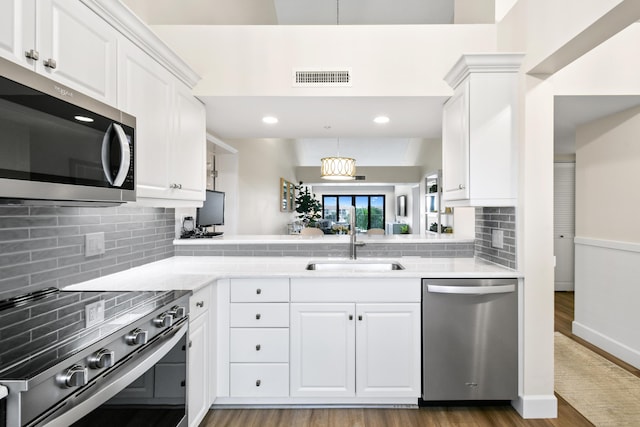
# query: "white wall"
[608,234]
[386,60]
[607,161]
[261,164]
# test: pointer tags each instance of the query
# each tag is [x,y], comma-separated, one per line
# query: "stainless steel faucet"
[352,241]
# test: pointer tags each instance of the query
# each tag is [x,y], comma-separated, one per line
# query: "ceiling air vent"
[322,78]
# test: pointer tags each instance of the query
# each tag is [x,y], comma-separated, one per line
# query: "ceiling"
[317,122]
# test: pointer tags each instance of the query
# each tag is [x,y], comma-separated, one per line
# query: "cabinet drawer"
[259,345]
[263,290]
[256,315]
[199,302]
[259,379]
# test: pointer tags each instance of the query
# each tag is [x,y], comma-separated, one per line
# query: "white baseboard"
[564,286]
[536,406]
[609,345]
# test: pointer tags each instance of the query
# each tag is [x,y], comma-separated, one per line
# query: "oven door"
[148,388]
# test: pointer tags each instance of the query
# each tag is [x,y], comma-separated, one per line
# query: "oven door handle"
[125,155]
[115,384]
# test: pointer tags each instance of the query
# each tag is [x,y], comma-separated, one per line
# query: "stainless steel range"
[131,366]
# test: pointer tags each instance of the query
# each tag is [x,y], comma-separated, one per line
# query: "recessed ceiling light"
[381,120]
[270,120]
[83,119]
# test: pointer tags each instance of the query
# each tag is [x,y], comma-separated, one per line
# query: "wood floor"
[481,416]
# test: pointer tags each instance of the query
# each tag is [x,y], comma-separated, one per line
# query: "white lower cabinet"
[199,367]
[319,341]
[322,350]
[259,338]
[388,350]
[359,350]
[259,379]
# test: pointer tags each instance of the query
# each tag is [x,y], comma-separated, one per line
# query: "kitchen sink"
[354,265]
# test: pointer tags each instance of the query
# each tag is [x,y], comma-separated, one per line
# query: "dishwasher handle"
[471,290]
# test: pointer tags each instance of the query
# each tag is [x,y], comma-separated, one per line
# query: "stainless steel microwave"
[60,147]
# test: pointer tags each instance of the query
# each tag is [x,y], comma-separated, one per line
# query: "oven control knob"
[75,376]
[163,320]
[136,337]
[177,312]
[101,359]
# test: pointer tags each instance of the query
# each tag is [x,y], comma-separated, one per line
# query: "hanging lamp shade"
[338,168]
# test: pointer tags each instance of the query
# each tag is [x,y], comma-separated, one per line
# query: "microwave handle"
[125,158]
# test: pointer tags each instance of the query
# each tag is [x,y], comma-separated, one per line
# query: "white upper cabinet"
[479,145]
[17,30]
[146,92]
[189,150]
[170,130]
[63,40]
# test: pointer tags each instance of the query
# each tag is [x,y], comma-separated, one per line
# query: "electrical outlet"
[497,238]
[94,313]
[94,244]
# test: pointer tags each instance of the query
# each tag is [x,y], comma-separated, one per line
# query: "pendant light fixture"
[338,168]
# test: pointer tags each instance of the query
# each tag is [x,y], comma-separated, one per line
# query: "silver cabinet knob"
[75,376]
[351,317]
[176,186]
[258,291]
[163,320]
[32,54]
[177,312]
[101,359]
[461,186]
[258,347]
[258,382]
[200,304]
[136,337]
[258,316]
[50,63]
[360,317]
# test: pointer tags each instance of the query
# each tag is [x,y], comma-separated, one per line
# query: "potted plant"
[307,206]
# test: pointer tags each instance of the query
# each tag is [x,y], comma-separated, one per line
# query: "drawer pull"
[258,347]
[258,316]
[351,317]
[360,317]
[258,291]
[258,382]
[200,304]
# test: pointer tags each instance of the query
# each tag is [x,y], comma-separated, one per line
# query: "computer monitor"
[212,210]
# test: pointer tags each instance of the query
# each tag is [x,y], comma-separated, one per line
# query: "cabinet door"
[198,371]
[188,147]
[145,91]
[455,145]
[322,350]
[82,45]
[388,350]
[17,30]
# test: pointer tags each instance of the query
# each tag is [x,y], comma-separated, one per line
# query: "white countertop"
[328,238]
[194,272]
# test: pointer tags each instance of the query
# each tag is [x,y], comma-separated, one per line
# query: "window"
[369,210]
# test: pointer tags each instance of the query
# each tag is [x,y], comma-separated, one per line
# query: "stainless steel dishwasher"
[469,339]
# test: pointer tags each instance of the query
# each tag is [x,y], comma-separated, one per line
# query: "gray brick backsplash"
[371,250]
[41,245]
[500,218]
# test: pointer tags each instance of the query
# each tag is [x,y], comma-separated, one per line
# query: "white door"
[322,350]
[455,145]
[145,91]
[564,213]
[198,369]
[77,48]
[388,350]
[17,30]
[189,148]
